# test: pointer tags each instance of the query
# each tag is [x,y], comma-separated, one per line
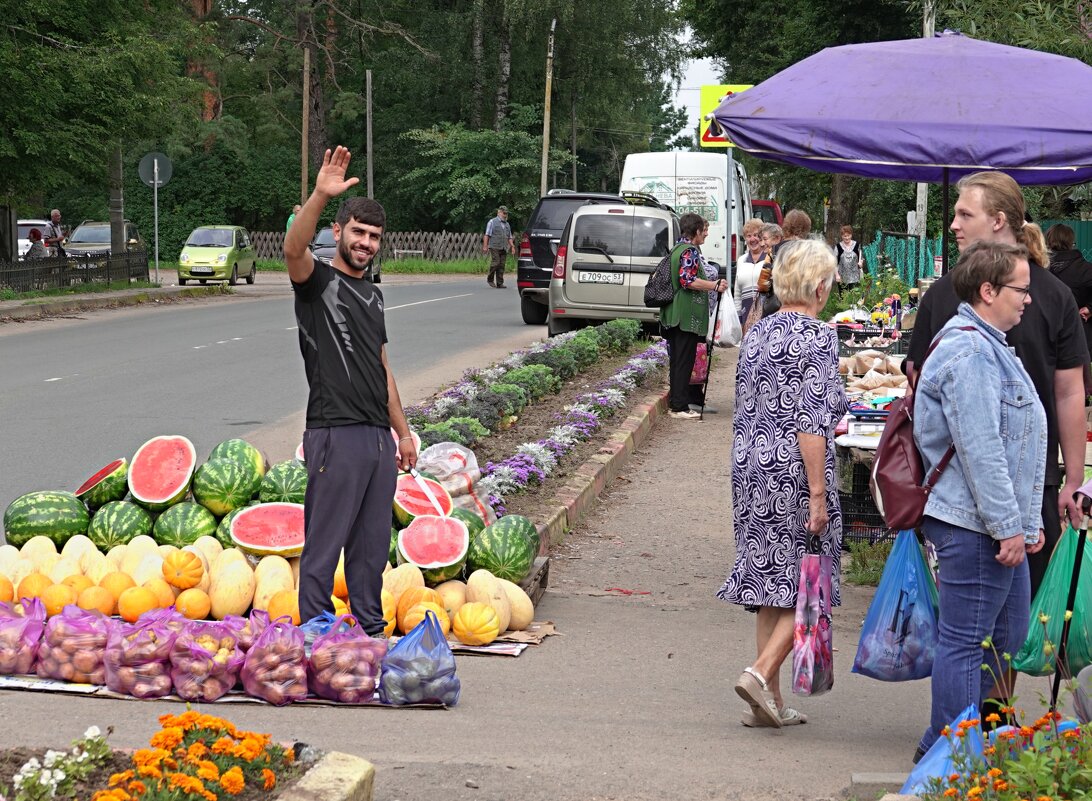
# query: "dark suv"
[537,247]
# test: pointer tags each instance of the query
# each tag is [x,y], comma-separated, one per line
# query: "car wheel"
[533,313]
[251,274]
[181,281]
[555,326]
[234,275]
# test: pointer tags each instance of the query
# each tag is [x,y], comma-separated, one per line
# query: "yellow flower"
[993,773]
[168,738]
[232,781]
[208,771]
[975,792]
[269,779]
[290,755]
[1069,614]
[951,792]
[1044,617]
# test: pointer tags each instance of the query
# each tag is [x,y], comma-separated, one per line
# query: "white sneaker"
[685,415]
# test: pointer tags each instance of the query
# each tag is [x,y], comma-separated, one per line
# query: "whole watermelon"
[183,524]
[53,513]
[117,522]
[524,525]
[285,482]
[241,451]
[504,549]
[223,485]
[474,522]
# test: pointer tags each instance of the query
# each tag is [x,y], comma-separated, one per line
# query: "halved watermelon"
[269,528]
[299,453]
[410,501]
[108,484]
[435,544]
[161,471]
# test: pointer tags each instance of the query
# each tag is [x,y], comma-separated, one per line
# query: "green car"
[217,253]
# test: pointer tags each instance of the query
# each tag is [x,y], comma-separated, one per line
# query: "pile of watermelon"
[446,542]
[163,492]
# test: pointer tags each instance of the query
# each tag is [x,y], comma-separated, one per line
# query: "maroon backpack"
[899,484]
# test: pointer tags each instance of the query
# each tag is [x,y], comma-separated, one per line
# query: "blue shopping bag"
[939,761]
[900,633]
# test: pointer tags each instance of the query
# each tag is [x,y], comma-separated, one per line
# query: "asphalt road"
[77,393]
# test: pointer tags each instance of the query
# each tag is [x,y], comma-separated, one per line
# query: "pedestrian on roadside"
[748,267]
[685,320]
[986,509]
[1071,268]
[498,242]
[292,216]
[697,391]
[36,250]
[850,260]
[55,234]
[772,236]
[352,403]
[789,398]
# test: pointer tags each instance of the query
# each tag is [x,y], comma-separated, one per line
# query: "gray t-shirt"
[499,232]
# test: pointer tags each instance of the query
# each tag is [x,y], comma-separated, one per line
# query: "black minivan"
[535,262]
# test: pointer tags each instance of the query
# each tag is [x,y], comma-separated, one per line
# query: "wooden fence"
[441,246]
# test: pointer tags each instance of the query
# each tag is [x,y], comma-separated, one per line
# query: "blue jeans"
[979,598]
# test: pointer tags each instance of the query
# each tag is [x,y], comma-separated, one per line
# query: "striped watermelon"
[51,513]
[504,549]
[117,522]
[223,531]
[410,501]
[394,547]
[474,522]
[525,526]
[108,484]
[161,471]
[286,482]
[183,524]
[242,452]
[223,485]
[269,528]
[437,545]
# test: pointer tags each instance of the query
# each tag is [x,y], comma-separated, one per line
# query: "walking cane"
[709,357]
[1084,497]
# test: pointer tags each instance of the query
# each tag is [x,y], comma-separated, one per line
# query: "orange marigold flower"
[951,792]
[269,779]
[208,771]
[946,730]
[960,732]
[290,755]
[993,717]
[1044,798]
[993,773]
[119,778]
[168,738]
[1026,731]
[232,781]
[1000,785]
[208,795]
[989,750]
[975,792]
[953,778]
[150,772]
[197,751]
[137,788]
[223,746]
[148,756]
[248,749]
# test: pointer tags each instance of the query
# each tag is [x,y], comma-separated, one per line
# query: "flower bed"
[192,756]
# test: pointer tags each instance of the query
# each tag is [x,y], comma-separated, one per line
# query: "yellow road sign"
[710,133]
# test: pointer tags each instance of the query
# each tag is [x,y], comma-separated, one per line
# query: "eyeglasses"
[1023,290]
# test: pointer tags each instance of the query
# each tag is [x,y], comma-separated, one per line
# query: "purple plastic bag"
[205,661]
[275,668]
[812,641]
[248,628]
[345,663]
[138,657]
[73,645]
[20,636]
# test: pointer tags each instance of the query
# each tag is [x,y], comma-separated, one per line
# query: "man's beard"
[347,256]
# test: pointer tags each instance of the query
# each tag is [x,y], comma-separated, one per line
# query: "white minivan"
[696,182]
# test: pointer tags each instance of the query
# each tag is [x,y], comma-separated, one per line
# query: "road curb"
[335,777]
[29,310]
[578,495]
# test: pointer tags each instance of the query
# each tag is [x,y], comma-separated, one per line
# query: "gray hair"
[803,265]
[773,229]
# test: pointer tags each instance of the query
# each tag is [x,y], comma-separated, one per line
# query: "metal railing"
[60,273]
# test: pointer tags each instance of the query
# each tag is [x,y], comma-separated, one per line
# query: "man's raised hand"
[331,180]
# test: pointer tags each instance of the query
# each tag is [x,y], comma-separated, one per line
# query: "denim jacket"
[974,391]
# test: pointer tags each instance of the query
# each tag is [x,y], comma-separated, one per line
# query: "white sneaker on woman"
[685,415]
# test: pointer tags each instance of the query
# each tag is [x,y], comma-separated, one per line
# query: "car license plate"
[590,277]
[201,270]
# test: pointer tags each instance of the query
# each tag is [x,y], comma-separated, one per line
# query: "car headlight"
[221,259]
[184,258]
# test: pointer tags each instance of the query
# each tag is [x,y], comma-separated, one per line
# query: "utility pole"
[368,101]
[928,24]
[306,113]
[546,114]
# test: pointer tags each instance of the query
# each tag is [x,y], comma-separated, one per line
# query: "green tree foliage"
[80,76]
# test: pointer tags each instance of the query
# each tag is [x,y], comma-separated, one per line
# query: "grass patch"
[270,266]
[866,561]
[76,289]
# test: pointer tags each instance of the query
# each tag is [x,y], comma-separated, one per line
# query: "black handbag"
[660,289]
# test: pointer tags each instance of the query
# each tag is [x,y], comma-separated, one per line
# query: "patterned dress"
[787,381]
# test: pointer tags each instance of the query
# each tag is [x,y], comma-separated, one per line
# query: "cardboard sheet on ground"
[511,643]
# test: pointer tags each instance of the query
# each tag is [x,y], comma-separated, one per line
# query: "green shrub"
[585,349]
[515,396]
[537,380]
[866,561]
[560,359]
[618,336]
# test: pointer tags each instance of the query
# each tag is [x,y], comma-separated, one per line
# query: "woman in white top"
[850,260]
[748,267]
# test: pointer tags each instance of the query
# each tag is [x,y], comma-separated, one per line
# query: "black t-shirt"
[1049,337]
[342,333]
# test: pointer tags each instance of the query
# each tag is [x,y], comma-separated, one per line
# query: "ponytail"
[1030,236]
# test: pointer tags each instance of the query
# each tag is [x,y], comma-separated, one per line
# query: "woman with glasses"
[985,512]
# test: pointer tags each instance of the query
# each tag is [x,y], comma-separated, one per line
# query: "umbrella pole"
[944,229]
[1069,603]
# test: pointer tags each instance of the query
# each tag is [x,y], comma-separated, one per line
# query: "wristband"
[403,439]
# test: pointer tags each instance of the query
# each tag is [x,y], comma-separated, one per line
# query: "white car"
[24,233]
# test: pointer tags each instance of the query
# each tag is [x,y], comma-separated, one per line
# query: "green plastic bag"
[1050,601]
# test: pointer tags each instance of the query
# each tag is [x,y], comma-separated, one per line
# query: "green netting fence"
[902,253]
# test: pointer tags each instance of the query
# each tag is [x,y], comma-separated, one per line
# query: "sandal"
[789,717]
[752,688]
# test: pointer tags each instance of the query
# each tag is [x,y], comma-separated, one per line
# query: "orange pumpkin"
[415,615]
[98,598]
[56,597]
[413,596]
[193,604]
[183,569]
[285,604]
[134,602]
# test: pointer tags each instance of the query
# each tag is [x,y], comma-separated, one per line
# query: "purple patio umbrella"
[929,110]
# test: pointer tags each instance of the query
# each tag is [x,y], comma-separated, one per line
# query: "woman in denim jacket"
[985,511]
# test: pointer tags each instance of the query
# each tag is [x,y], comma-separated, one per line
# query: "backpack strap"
[934,474]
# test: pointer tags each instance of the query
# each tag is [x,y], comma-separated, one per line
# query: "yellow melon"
[271,583]
[413,596]
[340,606]
[341,589]
[116,554]
[97,569]
[79,583]
[7,592]
[475,624]
[150,567]
[519,603]
[97,598]
[167,550]
[390,612]
[232,588]
[33,586]
[64,568]
[37,549]
[483,587]
[163,592]
[9,555]
[295,563]
[56,597]
[183,569]
[225,558]
[285,604]
[142,542]
[401,578]
[454,594]
[210,547]
[117,583]
[271,566]
[416,614]
[20,570]
[134,602]
[193,603]
[76,546]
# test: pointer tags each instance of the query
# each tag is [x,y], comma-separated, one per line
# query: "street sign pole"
[155,170]
[155,214]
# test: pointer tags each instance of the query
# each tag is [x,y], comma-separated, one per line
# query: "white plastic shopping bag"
[724,326]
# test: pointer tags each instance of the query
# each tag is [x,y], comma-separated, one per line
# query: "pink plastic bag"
[20,636]
[345,663]
[701,365]
[812,642]
[138,658]
[275,669]
[248,628]
[170,617]
[73,645]
[205,661]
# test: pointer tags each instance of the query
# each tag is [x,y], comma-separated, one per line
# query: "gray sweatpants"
[351,475]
